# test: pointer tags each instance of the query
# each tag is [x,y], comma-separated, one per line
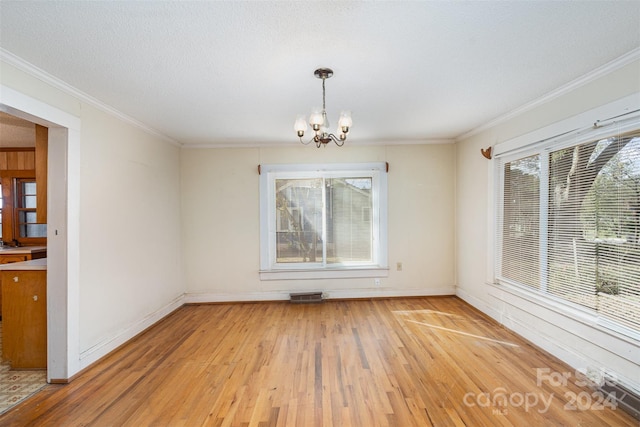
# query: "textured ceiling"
[239,72]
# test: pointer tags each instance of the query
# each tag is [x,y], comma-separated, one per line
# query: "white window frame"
[270,270]
[544,148]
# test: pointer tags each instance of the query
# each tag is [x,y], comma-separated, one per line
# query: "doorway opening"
[63,356]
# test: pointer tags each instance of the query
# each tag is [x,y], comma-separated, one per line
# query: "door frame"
[63,229]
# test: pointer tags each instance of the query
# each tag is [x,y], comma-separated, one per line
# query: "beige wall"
[129,219]
[220,211]
[123,266]
[577,342]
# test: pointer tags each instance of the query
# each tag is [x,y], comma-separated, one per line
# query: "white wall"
[577,341]
[220,211]
[124,268]
[130,226]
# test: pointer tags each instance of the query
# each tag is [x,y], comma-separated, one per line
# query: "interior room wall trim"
[103,348]
[211,297]
[513,314]
[293,143]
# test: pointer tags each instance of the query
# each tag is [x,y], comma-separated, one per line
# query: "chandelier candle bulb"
[300,126]
[316,119]
[345,121]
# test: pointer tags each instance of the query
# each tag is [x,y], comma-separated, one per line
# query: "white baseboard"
[578,358]
[209,297]
[388,293]
[524,330]
[96,352]
[478,303]
[206,297]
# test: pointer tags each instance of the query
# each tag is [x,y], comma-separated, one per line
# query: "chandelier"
[320,124]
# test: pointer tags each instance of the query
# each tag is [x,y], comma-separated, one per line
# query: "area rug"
[15,386]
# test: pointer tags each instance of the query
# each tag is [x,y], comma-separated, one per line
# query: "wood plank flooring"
[388,362]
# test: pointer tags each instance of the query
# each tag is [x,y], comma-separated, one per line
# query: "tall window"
[569,223]
[25,210]
[521,221]
[18,212]
[323,217]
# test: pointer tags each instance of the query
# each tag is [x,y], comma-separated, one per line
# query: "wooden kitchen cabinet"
[19,254]
[24,319]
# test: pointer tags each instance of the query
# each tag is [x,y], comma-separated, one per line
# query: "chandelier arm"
[339,142]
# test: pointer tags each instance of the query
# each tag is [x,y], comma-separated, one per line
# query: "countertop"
[9,250]
[33,265]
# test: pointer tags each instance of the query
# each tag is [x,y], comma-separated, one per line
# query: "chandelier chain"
[324,109]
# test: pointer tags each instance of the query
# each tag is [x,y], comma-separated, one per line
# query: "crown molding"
[22,65]
[607,68]
[295,144]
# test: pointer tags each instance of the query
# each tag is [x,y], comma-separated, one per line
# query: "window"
[18,207]
[323,217]
[569,222]
[25,210]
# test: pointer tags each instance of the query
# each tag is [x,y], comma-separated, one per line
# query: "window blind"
[569,223]
[520,229]
[594,226]
[326,217]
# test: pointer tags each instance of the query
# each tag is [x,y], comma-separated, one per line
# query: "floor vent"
[306,297]
[628,400]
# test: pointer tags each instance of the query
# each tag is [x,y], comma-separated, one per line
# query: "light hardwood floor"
[388,362]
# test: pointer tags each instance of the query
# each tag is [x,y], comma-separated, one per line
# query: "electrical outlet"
[376,281]
[399,266]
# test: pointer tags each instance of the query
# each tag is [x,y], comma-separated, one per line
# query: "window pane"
[594,226]
[29,202]
[349,225]
[25,210]
[316,217]
[570,255]
[29,188]
[298,220]
[521,221]
[33,230]
[616,195]
[27,225]
[27,216]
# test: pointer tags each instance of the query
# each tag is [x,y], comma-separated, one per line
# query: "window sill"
[342,273]
[569,310]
